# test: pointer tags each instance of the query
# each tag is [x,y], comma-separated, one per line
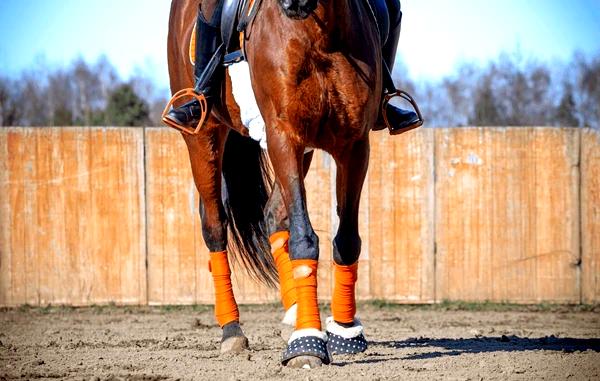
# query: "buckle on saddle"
[203,107]
[407,97]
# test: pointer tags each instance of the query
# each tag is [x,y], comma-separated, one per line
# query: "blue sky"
[437,34]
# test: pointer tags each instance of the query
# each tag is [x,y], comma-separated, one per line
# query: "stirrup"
[406,96]
[203,107]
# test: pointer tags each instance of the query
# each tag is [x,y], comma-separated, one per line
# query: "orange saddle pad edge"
[192,48]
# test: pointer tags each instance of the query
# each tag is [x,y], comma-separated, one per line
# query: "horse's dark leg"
[287,159]
[278,228]
[344,330]
[206,154]
[276,214]
[351,171]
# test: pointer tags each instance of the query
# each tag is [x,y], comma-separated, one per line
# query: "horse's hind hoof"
[235,344]
[234,340]
[305,362]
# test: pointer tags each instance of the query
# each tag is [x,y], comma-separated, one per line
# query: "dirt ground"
[406,342]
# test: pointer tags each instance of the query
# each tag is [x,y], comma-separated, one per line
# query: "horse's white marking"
[301,272]
[290,315]
[277,244]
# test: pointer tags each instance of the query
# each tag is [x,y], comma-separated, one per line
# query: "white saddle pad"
[244,97]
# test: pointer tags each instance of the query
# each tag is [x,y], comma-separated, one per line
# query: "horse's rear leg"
[278,226]
[206,154]
[343,328]
[307,344]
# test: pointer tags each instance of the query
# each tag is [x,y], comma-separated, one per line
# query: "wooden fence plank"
[590,215]
[513,228]
[398,206]
[376,226]
[463,210]
[173,228]
[556,215]
[507,214]
[6,229]
[388,195]
[11,262]
[73,199]
[413,216]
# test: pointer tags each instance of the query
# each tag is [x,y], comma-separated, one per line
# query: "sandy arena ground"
[406,342]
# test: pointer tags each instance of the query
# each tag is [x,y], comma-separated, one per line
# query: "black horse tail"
[247,188]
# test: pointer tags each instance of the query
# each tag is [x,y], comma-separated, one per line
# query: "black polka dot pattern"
[306,346]
[338,344]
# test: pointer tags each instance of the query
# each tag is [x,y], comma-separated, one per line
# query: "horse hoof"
[234,340]
[235,344]
[305,362]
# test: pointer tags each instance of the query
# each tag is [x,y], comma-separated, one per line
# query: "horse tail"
[247,186]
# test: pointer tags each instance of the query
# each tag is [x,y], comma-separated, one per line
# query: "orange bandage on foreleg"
[305,279]
[226,309]
[343,303]
[279,249]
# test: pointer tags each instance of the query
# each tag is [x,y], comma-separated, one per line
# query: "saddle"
[236,16]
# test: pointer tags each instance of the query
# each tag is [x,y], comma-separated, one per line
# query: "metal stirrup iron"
[407,97]
[203,109]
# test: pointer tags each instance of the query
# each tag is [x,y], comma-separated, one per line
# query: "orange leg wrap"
[305,279]
[279,248]
[226,309]
[343,303]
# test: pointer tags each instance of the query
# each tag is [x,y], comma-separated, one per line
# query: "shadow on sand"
[455,347]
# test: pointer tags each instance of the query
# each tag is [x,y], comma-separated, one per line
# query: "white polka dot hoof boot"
[288,323]
[342,340]
[307,348]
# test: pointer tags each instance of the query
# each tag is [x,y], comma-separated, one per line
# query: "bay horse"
[316,70]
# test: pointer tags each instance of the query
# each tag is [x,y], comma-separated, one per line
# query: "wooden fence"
[98,215]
